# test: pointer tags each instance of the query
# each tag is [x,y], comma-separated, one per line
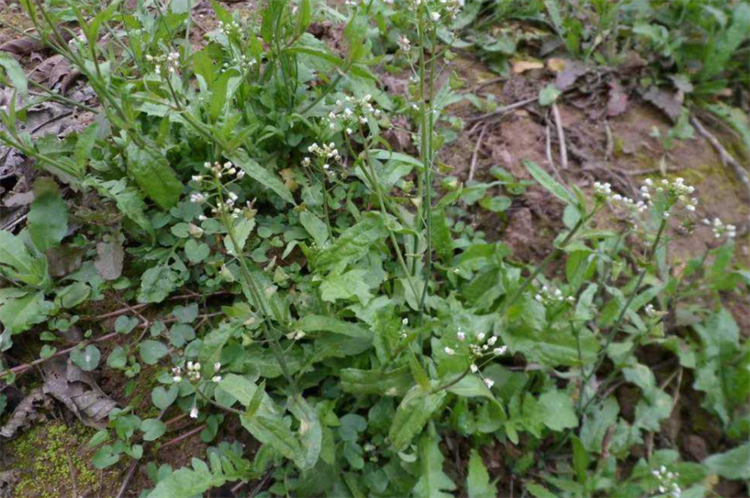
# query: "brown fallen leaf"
[570,74]
[21,46]
[78,391]
[665,101]
[32,409]
[556,65]
[110,257]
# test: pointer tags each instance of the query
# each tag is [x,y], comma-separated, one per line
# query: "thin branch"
[475,155]
[501,111]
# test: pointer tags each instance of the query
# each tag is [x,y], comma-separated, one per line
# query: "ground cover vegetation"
[230,236]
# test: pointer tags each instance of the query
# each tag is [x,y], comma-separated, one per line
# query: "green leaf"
[105,457]
[314,227]
[549,95]
[720,52]
[353,244]
[187,483]
[87,359]
[48,216]
[20,314]
[539,491]
[154,176]
[15,73]
[733,464]
[478,481]
[153,429]
[157,283]
[394,383]
[441,236]
[267,425]
[319,323]
[17,263]
[196,251]
[411,416]
[152,351]
[242,230]
[558,412]
[163,398]
[127,198]
[549,183]
[351,284]
[261,175]
[433,482]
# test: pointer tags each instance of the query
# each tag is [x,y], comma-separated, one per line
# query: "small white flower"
[435,16]
[177,378]
[481,336]
[217,366]
[474,368]
[449,351]
[492,340]
[194,412]
[500,351]
[461,336]
[405,322]
[489,383]
[216,378]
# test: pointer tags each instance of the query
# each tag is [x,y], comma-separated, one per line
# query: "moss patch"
[43,458]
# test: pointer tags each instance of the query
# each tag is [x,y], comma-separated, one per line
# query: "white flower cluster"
[228,28]
[326,154]
[351,112]
[477,350]
[219,170]
[604,191]
[439,10]
[169,62]
[667,481]
[650,311]
[676,192]
[193,370]
[404,43]
[551,295]
[243,63]
[720,230]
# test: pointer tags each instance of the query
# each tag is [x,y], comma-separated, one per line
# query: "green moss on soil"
[43,458]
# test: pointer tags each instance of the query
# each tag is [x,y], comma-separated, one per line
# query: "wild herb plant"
[354,326]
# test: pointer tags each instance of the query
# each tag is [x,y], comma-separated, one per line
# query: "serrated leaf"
[353,244]
[315,227]
[733,464]
[478,481]
[393,383]
[411,416]
[558,410]
[242,230]
[127,198]
[433,482]
[441,236]
[17,263]
[154,176]
[157,283]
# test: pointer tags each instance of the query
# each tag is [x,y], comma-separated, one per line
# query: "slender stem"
[623,312]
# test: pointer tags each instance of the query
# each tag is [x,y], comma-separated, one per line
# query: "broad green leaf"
[157,283]
[558,410]
[162,398]
[18,264]
[433,482]
[597,422]
[48,216]
[154,176]
[153,429]
[20,314]
[441,237]
[733,464]
[127,198]
[411,416]
[196,251]
[187,483]
[353,244]
[87,359]
[152,351]
[351,284]
[720,52]
[267,425]
[314,227]
[319,323]
[261,175]
[15,73]
[393,383]
[549,95]
[242,230]
[478,481]
[549,183]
